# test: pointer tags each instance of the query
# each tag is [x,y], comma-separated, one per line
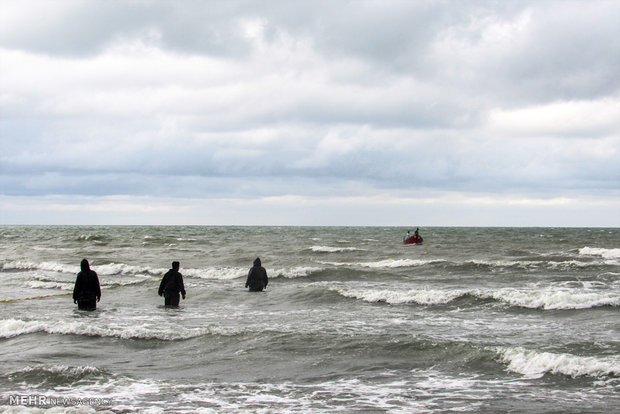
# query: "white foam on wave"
[106,269]
[329,249]
[393,263]
[551,298]
[294,272]
[50,282]
[37,284]
[125,269]
[216,273]
[608,254]
[121,393]
[64,370]
[47,266]
[231,273]
[15,327]
[422,296]
[536,364]
[386,263]
[547,299]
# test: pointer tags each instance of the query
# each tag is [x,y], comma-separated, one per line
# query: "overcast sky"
[405,113]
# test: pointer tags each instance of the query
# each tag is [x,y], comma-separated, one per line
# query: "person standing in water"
[257,277]
[171,285]
[87,291]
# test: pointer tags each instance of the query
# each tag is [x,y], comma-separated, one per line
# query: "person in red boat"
[413,239]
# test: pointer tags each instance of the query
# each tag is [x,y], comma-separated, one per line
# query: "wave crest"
[421,297]
[550,299]
[608,254]
[536,364]
[15,327]
[328,249]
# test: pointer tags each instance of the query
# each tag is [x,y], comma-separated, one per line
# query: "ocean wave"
[230,273]
[385,393]
[552,299]
[216,273]
[116,269]
[421,297]
[53,374]
[125,269]
[466,265]
[549,299]
[386,263]
[328,249]
[105,269]
[38,284]
[608,254]
[536,364]
[8,265]
[91,237]
[295,272]
[49,282]
[15,327]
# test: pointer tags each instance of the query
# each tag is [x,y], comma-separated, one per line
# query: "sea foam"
[15,327]
[328,249]
[385,263]
[551,298]
[536,364]
[547,299]
[613,255]
[421,297]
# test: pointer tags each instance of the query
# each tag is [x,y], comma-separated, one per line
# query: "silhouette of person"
[87,291]
[417,232]
[257,277]
[171,285]
[407,235]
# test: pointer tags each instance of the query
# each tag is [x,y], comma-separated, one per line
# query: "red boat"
[415,239]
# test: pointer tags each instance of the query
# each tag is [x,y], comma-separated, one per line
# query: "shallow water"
[481,319]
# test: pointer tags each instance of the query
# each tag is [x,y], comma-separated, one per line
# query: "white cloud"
[441,103]
[560,119]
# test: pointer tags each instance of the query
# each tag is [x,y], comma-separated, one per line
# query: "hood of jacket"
[257,262]
[84,265]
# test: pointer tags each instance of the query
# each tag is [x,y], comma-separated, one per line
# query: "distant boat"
[413,239]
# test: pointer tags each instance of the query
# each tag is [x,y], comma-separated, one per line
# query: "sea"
[485,320]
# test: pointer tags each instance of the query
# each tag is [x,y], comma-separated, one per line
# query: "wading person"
[87,291]
[257,277]
[172,285]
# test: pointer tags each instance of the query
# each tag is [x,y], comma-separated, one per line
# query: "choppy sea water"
[474,320]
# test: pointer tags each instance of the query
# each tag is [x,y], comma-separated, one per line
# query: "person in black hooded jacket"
[257,277]
[171,285]
[87,291]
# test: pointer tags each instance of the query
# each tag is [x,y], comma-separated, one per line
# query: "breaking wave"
[54,374]
[116,269]
[613,255]
[105,269]
[328,249]
[549,299]
[230,273]
[15,327]
[536,364]
[385,263]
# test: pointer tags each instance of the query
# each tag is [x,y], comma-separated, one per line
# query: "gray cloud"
[251,100]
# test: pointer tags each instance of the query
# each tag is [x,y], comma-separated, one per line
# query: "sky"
[336,113]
